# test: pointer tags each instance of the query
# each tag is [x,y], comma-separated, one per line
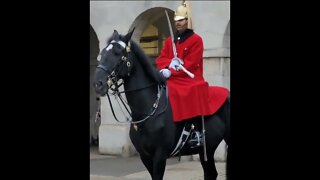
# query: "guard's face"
[181,25]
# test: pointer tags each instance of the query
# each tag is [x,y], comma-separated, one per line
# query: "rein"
[113,85]
[153,109]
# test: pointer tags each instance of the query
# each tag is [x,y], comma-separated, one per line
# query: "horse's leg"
[225,114]
[227,140]
[159,165]
[215,132]
[228,164]
[148,163]
[209,167]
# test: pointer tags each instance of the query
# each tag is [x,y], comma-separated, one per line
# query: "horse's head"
[114,62]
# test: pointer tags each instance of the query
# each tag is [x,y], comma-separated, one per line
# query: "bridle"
[114,84]
[112,80]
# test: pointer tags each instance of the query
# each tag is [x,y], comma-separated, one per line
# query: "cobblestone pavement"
[103,167]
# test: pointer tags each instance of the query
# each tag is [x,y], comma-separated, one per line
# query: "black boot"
[195,139]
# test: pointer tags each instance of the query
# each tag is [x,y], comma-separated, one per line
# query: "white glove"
[175,63]
[165,72]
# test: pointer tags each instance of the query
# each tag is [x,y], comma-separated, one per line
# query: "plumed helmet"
[181,13]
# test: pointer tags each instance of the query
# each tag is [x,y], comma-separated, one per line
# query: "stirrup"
[195,139]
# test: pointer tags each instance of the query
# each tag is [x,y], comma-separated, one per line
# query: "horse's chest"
[143,141]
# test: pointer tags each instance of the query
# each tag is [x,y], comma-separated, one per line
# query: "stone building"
[210,19]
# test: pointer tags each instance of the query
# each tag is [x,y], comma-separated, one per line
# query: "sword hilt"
[186,71]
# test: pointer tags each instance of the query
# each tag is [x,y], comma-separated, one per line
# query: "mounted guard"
[156,129]
[181,62]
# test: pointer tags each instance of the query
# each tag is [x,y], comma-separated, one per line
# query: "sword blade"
[171,34]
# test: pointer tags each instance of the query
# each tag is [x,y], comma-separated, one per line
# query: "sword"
[175,50]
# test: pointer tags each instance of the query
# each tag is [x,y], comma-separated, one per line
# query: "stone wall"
[210,19]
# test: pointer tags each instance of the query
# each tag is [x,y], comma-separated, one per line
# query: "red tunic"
[190,97]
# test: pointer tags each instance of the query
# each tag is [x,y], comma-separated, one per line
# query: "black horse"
[153,131]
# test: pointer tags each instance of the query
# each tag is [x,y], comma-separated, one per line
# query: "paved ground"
[103,167]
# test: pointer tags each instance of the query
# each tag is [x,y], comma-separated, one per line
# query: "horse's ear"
[115,34]
[128,36]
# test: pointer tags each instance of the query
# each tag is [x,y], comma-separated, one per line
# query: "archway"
[152,30]
[226,40]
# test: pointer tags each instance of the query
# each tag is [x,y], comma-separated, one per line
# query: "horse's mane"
[146,63]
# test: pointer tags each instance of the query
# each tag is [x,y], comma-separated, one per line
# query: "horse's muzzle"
[101,87]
